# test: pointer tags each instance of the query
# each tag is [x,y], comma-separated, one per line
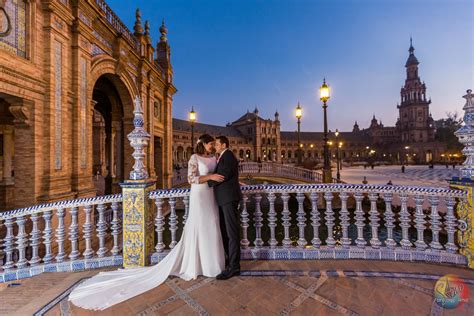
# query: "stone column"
[138,223]
[7,155]
[25,152]
[112,153]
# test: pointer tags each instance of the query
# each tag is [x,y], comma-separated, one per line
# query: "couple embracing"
[209,245]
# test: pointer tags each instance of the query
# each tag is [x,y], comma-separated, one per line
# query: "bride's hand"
[217,177]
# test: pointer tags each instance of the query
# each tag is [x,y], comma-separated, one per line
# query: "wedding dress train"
[199,252]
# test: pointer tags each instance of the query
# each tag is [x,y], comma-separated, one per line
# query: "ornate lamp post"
[324,96]
[192,119]
[299,115]
[338,155]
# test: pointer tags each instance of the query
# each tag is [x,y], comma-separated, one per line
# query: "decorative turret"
[163,53]
[374,122]
[138,23]
[356,127]
[466,137]
[163,32]
[277,116]
[255,111]
[147,32]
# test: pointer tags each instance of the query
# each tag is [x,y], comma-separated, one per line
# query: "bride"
[199,252]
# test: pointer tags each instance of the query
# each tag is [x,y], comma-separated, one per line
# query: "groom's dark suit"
[228,196]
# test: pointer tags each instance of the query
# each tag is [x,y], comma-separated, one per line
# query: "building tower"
[415,122]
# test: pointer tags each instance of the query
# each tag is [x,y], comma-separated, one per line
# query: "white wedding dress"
[199,252]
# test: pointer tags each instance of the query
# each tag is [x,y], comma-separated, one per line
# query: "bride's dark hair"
[203,139]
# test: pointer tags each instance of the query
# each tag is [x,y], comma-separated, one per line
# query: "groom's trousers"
[230,228]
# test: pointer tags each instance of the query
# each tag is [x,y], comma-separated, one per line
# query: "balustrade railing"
[334,221]
[263,169]
[118,25]
[60,232]
[276,169]
[299,221]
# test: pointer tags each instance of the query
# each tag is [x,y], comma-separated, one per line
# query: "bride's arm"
[193,173]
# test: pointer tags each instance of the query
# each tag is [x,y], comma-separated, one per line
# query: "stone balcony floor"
[266,288]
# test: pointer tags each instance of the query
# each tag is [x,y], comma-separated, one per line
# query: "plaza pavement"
[414,175]
[326,287]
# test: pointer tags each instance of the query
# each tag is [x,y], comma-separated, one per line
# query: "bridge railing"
[276,169]
[54,236]
[335,221]
[263,169]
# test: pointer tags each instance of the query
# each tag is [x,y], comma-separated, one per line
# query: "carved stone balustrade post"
[301,220]
[245,222]
[374,220]
[272,220]
[257,219]
[330,241]
[316,242]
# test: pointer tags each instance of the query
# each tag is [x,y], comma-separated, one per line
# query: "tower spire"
[138,23]
[147,32]
[163,31]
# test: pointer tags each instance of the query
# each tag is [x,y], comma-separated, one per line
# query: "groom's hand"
[216,177]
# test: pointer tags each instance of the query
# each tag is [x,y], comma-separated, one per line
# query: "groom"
[228,196]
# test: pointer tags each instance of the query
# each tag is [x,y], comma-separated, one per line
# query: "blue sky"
[232,55]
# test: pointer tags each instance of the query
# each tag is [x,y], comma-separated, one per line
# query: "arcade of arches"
[69,71]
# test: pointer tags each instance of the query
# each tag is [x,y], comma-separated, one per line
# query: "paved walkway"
[326,287]
[414,175]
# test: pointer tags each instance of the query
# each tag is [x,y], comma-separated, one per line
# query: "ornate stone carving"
[138,138]
[21,114]
[466,136]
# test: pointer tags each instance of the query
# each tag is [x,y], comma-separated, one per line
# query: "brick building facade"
[69,71]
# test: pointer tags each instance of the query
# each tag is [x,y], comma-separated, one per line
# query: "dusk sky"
[230,56]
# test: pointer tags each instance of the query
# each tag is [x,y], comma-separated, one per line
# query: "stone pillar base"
[465,213]
[327,176]
[138,223]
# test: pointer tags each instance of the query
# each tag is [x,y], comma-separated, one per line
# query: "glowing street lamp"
[324,95]
[299,115]
[192,119]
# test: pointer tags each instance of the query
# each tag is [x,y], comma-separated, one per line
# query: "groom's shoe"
[227,274]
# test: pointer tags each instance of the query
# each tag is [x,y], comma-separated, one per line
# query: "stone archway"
[112,121]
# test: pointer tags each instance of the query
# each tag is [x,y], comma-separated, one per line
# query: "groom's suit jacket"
[228,190]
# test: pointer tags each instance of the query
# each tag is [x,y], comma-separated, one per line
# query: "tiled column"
[138,220]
